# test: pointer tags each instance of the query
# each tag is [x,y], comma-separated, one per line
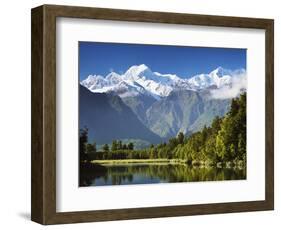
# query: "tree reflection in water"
[163,173]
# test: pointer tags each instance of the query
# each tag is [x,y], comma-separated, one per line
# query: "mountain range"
[146,105]
[107,118]
[139,79]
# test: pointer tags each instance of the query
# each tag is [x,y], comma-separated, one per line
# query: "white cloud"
[239,83]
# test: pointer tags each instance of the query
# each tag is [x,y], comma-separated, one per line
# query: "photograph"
[158,114]
[161,114]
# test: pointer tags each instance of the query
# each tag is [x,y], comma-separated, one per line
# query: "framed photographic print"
[141,114]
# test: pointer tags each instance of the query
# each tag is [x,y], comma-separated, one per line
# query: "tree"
[231,139]
[83,139]
[210,148]
[204,133]
[131,146]
[153,153]
[91,148]
[114,145]
[181,138]
[119,145]
[105,148]
[94,147]
[216,124]
[241,147]
[173,142]
[124,146]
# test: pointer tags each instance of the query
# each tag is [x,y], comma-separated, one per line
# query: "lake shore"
[229,164]
[139,161]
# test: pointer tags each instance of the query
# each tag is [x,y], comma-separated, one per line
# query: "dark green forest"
[223,141]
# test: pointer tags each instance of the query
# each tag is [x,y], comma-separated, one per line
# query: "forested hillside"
[223,141]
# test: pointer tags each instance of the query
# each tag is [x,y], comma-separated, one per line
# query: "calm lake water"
[150,173]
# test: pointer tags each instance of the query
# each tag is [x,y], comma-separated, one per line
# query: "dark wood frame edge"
[43,159]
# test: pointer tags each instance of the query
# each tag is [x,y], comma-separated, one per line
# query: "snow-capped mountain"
[139,79]
[219,78]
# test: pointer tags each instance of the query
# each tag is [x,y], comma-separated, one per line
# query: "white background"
[15,114]
[72,198]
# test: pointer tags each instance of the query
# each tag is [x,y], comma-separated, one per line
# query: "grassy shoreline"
[159,161]
[139,161]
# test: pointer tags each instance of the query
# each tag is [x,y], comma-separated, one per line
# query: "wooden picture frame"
[43,208]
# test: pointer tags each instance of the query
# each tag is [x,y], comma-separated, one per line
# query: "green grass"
[139,161]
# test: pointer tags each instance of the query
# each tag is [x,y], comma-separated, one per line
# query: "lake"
[156,173]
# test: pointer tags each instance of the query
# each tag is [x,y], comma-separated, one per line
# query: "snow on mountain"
[93,82]
[219,77]
[139,79]
[136,80]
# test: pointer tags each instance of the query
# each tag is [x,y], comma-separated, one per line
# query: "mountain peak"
[220,72]
[112,75]
[93,77]
[137,70]
[142,67]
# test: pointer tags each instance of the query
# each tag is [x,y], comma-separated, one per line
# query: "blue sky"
[103,58]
